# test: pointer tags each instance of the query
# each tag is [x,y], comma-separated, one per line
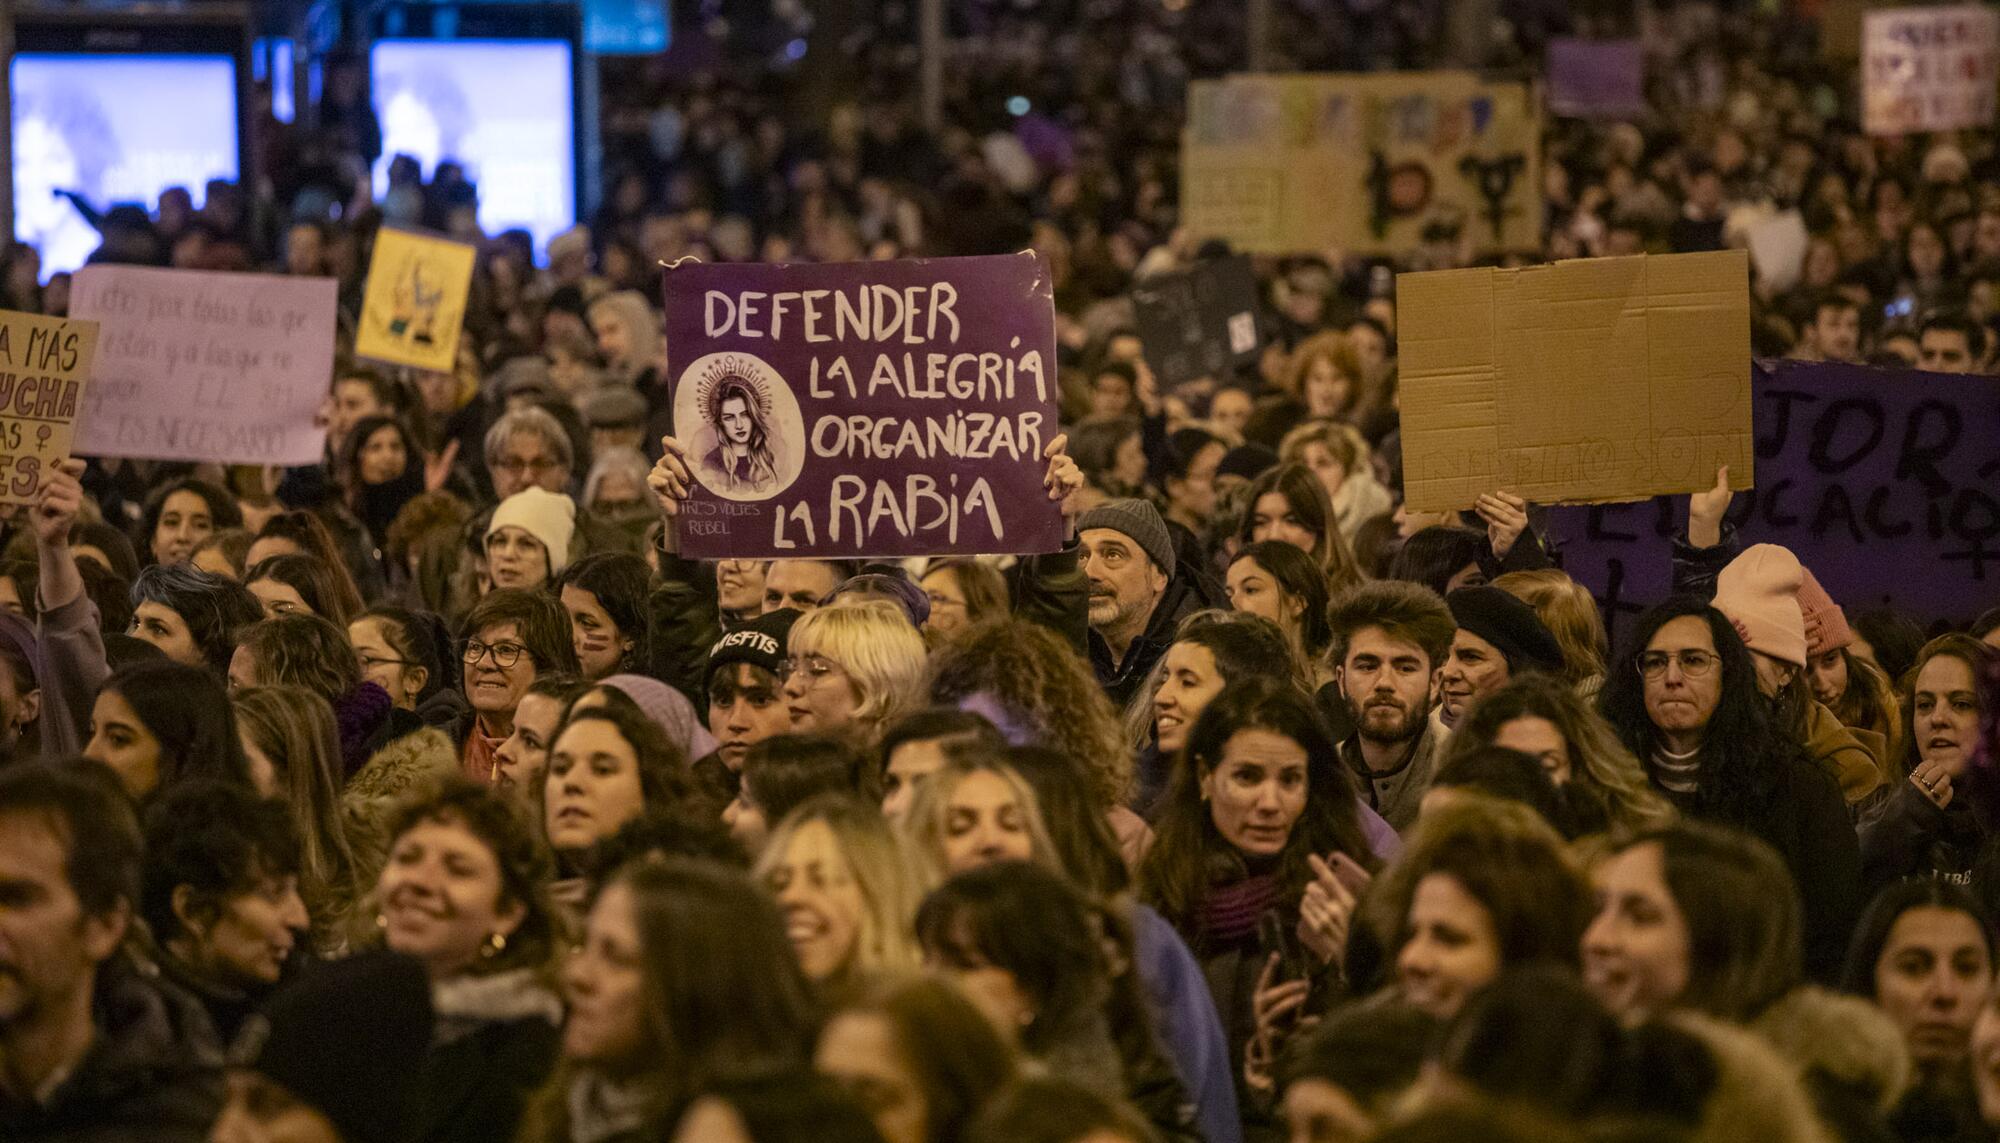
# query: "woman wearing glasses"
[854,669]
[1685,702]
[510,637]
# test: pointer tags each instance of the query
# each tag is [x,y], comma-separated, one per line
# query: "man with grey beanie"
[1138,594]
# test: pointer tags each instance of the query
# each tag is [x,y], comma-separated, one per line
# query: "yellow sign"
[1366,164]
[44,363]
[415,302]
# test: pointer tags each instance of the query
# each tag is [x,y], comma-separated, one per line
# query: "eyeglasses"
[1694,664]
[368,664]
[813,667]
[505,655]
[516,466]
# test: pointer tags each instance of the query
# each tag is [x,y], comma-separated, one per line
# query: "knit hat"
[760,643]
[348,1039]
[1138,520]
[908,596]
[1826,623]
[1759,592]
[19,636]
[1509,624]
[667,709]
[547,516]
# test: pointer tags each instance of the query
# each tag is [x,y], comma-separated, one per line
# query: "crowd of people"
[430,794]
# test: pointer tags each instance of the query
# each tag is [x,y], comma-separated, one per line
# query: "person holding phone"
[1259,853]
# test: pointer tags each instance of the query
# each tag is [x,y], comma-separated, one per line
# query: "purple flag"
[865,409]
[1885,482]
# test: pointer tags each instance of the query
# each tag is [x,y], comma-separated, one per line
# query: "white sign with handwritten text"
[205,366]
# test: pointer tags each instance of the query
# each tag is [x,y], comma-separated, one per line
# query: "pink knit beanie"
[1759,592]
[1826,623]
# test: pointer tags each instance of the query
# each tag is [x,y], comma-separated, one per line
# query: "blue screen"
[503,109]
[115,129]
[626,27]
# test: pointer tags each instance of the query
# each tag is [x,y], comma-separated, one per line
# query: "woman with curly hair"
[1566,608]
[1028,682]
[1327,376]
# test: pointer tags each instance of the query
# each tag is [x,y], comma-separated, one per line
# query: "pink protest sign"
[205,366]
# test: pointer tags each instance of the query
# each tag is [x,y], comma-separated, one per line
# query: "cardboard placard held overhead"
[1590,381]
[44,364]
[1199,322]
[1368,164]
[415,304]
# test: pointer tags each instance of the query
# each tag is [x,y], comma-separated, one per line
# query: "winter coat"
[154,1075]
[1852,758]
[1186,1022]
[1396,794]
[495,1044]
[1801,815]
[73,668]
[1052,590]
[1912,837]
[395,773]
[686,620]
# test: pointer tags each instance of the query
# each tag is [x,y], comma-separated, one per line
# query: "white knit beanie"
[547,516]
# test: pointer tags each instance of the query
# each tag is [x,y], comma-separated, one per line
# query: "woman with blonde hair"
[629,335]
[847,889]
[1541,717]
[293,748]
[975,811]
[1565,607]
[1339,456]
[855,668]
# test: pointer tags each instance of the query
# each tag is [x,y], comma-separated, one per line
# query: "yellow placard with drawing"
[415,302]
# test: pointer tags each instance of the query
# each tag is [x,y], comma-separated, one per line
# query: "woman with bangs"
[1289,504]
[855,668]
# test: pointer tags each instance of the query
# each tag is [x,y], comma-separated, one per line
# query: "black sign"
[1199,322]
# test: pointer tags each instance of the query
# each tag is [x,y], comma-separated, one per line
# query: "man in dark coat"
[91,1049]
[1139,592]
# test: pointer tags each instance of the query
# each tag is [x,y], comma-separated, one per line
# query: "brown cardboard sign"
[1582,382]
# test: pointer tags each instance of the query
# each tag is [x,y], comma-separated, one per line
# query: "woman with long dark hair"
[683,979]
[1260,819]
[1684,700]
[156,724]
[1288,503]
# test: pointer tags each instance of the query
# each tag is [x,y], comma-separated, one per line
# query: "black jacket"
[1800,814]
[1052,590]
[153,1076]
[495,1044]
[1912,837]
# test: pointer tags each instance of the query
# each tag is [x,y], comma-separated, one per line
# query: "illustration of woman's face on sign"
[736,420]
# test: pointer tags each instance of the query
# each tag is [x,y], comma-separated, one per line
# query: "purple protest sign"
[1597,79]
[865,409]
[1885,482]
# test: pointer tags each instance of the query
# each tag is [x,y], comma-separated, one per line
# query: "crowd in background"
[429,793]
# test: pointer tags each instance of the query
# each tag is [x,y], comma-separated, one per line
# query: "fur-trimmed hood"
[465,1002]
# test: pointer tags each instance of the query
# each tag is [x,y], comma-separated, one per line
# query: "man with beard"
[1138,592]
[1389,640]
[89,1047]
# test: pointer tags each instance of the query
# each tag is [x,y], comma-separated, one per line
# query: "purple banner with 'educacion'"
[865,409]
[1885,482]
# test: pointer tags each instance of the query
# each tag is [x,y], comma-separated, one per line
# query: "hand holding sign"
[57,502]
[1706,510]
[1506,517]
[670,478]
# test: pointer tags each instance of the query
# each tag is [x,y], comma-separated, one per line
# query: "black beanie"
[348,1039]
[1510,625]
[762,642]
